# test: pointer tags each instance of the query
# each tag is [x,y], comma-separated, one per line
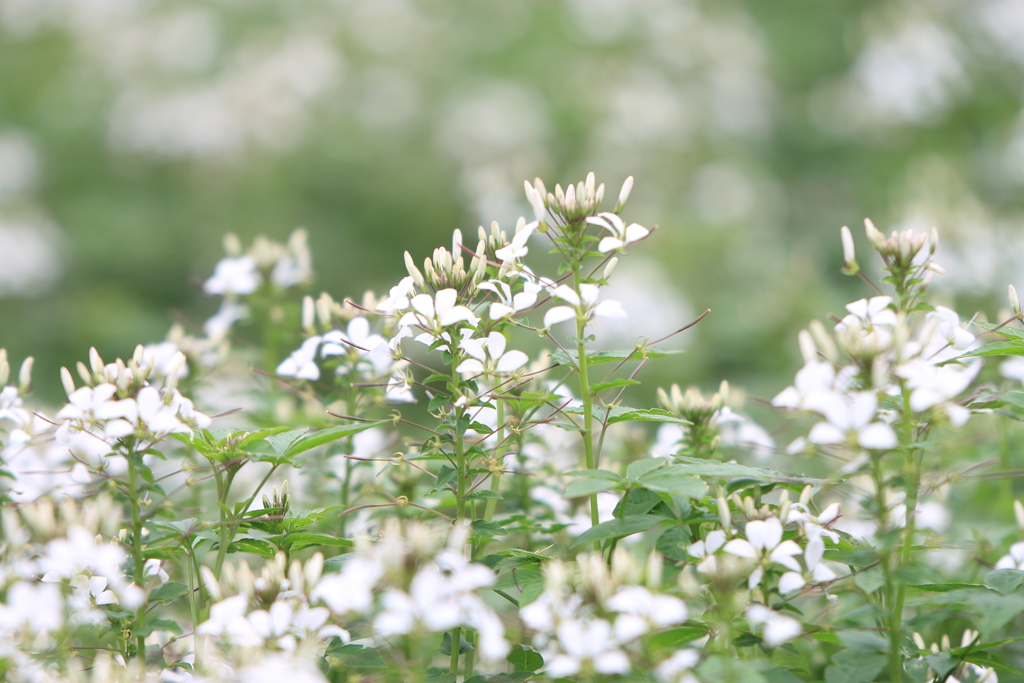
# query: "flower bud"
[414,272]
[313,569]
[849,254]
[457,242]
[96,362]
[599,196]
[608,269]
[933,243]
[1014,301]
[232,245]
[25,376]
[805,495]
[210,582]
[807,348]
[1018,512]
[308,314]
[875,237]
[627,187]
[724,515]
[67,380]
[823,340]
[84,373]
[173,370]
[5,368]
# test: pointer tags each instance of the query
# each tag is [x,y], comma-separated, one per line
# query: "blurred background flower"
[134,133]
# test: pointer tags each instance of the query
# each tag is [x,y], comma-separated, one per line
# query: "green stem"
[137,557]
[470,656]
[351,408]
[453,666]
[588,400]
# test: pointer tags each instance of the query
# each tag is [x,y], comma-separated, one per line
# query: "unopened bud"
[849,254]
[627,187]
[456,242]
[935,268]
[5,372]
[608,269]
[933,243]
[84,373]
[210,582]
[807,348]
[599,196]
[1014,301]
[96,362]
[308,315]
[655,571]
[313,569]
[25,375]
[536,199]
[1018,512]
[414,272]
[823,340]
[174,369]
[805,495]
[724,515]
[570,199]
[875,237]
[67,380]
[232,245]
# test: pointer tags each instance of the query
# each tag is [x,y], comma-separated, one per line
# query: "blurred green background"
[134,133]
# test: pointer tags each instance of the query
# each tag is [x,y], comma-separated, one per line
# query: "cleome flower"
[584,305]
[621,234]
[641,611]
[434,314]
[764,544]
[488,356]
[849,418]
[776,628]
[510,304]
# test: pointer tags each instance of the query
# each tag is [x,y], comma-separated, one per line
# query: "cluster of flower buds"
[901,248]
[127,377]
[324,313]
[573,204]
[279,501]
[447,269]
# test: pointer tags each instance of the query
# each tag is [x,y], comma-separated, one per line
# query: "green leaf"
[152,625]
[852,666]
[674,481]
[676,637]
[646,415]
[251,545]
[637,501]
[602,474]
[586,487]
[673,543]
[282,440]
[484,528]
[324,436]
[1005,581]
[707,468]
[168,592]
[617,528]
[641,467]
[941,587]
[353,655]
[446,644]
[1004,330]
[613,384]
[524,658]
[1004,348]
[298,541]
[870,580]
[942,662]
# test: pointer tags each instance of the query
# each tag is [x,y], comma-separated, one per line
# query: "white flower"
[621,234]
[764,544]
[816,569]
[433,314]
[219,324]
[586,641]
[351,590]
[234,276]
[488,355]
[1014,560]
[302,362]
[398,297]
[38,607]
[676,669]
[227,620]
[510,304]
[869,313]
[399,390]
[157,419]
[517,248]
[357,341]
[94,410]
[584,305]
[813,379]
[777,628]
[850,417]
[704,551]
[641,611]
